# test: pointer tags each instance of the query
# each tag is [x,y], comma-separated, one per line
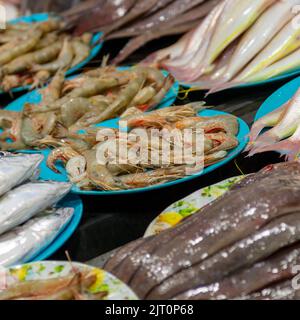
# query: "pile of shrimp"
[68,106]
[74,286]
[79,152]
[32,53]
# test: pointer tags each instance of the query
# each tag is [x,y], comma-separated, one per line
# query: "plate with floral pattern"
[181,209]
[106,284]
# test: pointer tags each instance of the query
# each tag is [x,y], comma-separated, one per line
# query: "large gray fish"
[236,216]
[23,243]
[280,233]
[277,268]
[26,201]
[16,169]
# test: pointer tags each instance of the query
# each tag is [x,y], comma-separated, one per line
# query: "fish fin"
[288,148]
[224,86]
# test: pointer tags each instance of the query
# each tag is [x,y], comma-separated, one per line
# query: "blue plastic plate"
[48,174]
[285,76]
[34,97]
[39,17]
[278,98]
[71,201]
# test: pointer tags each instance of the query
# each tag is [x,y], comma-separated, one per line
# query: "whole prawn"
[63,61]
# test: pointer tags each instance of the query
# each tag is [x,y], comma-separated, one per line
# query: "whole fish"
[16,169]
[279,291]
[235,216]
[196,47]
[278,234]
[268,121]
[23,243]
[26,201]
[274,269]
[288,63]
[261,33]
[288,126]
[235,19]
[284,43]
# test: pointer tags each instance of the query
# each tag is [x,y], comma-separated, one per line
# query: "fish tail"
[223,86]
[289,148]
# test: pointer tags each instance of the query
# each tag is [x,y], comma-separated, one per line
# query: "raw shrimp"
[63,154]
[63,61]
[21,48]
[228,124]
[76,170]
[168,83]
[88,118]
[143,96]
[153,76]
[24,62]
[10,123]
[91,88]
[73,110]
[123,100]
[47,40]
[131,111]
[224,142]
[11,81]
[50,94]
[77,143]
[86,38]
[159,176]
[160,118]
[64,288]
[99,175]
[50,25]
[37,127]
[81,52]
[40,78]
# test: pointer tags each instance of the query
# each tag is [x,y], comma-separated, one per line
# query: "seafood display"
[226,249]
[68,105]
[239,42]
[31,53]
[125,132]
[23,243]
[283,134]
[143,20]
[61,280]
[81,153]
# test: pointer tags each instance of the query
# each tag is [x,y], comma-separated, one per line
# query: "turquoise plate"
[71,201]
[39,17]
[278,98]
[47,174]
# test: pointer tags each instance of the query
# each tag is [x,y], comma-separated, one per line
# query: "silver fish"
[26,201]
[16,169]
[24,243]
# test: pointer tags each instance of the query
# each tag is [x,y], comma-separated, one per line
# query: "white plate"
[175,213]
[116,289]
